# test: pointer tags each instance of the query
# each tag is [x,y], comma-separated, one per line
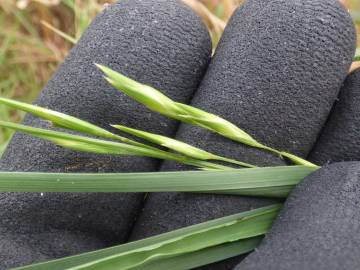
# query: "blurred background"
[35,36]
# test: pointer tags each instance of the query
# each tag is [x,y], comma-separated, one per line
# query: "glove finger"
[339,139]
[318,228]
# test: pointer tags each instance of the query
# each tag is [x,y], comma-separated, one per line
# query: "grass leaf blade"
[173,244]
[271,181]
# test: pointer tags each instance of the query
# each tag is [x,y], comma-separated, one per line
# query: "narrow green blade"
[268,181]
[162,248]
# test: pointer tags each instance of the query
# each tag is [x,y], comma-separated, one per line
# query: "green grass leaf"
[268,181]
[159,249]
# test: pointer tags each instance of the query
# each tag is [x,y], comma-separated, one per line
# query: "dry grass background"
[30,51]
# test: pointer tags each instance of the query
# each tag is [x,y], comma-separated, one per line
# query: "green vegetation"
[206,242]
[31,48]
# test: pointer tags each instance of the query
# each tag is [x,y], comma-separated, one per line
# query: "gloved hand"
[276,73]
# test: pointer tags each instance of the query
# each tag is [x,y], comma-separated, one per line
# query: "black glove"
[276,74]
